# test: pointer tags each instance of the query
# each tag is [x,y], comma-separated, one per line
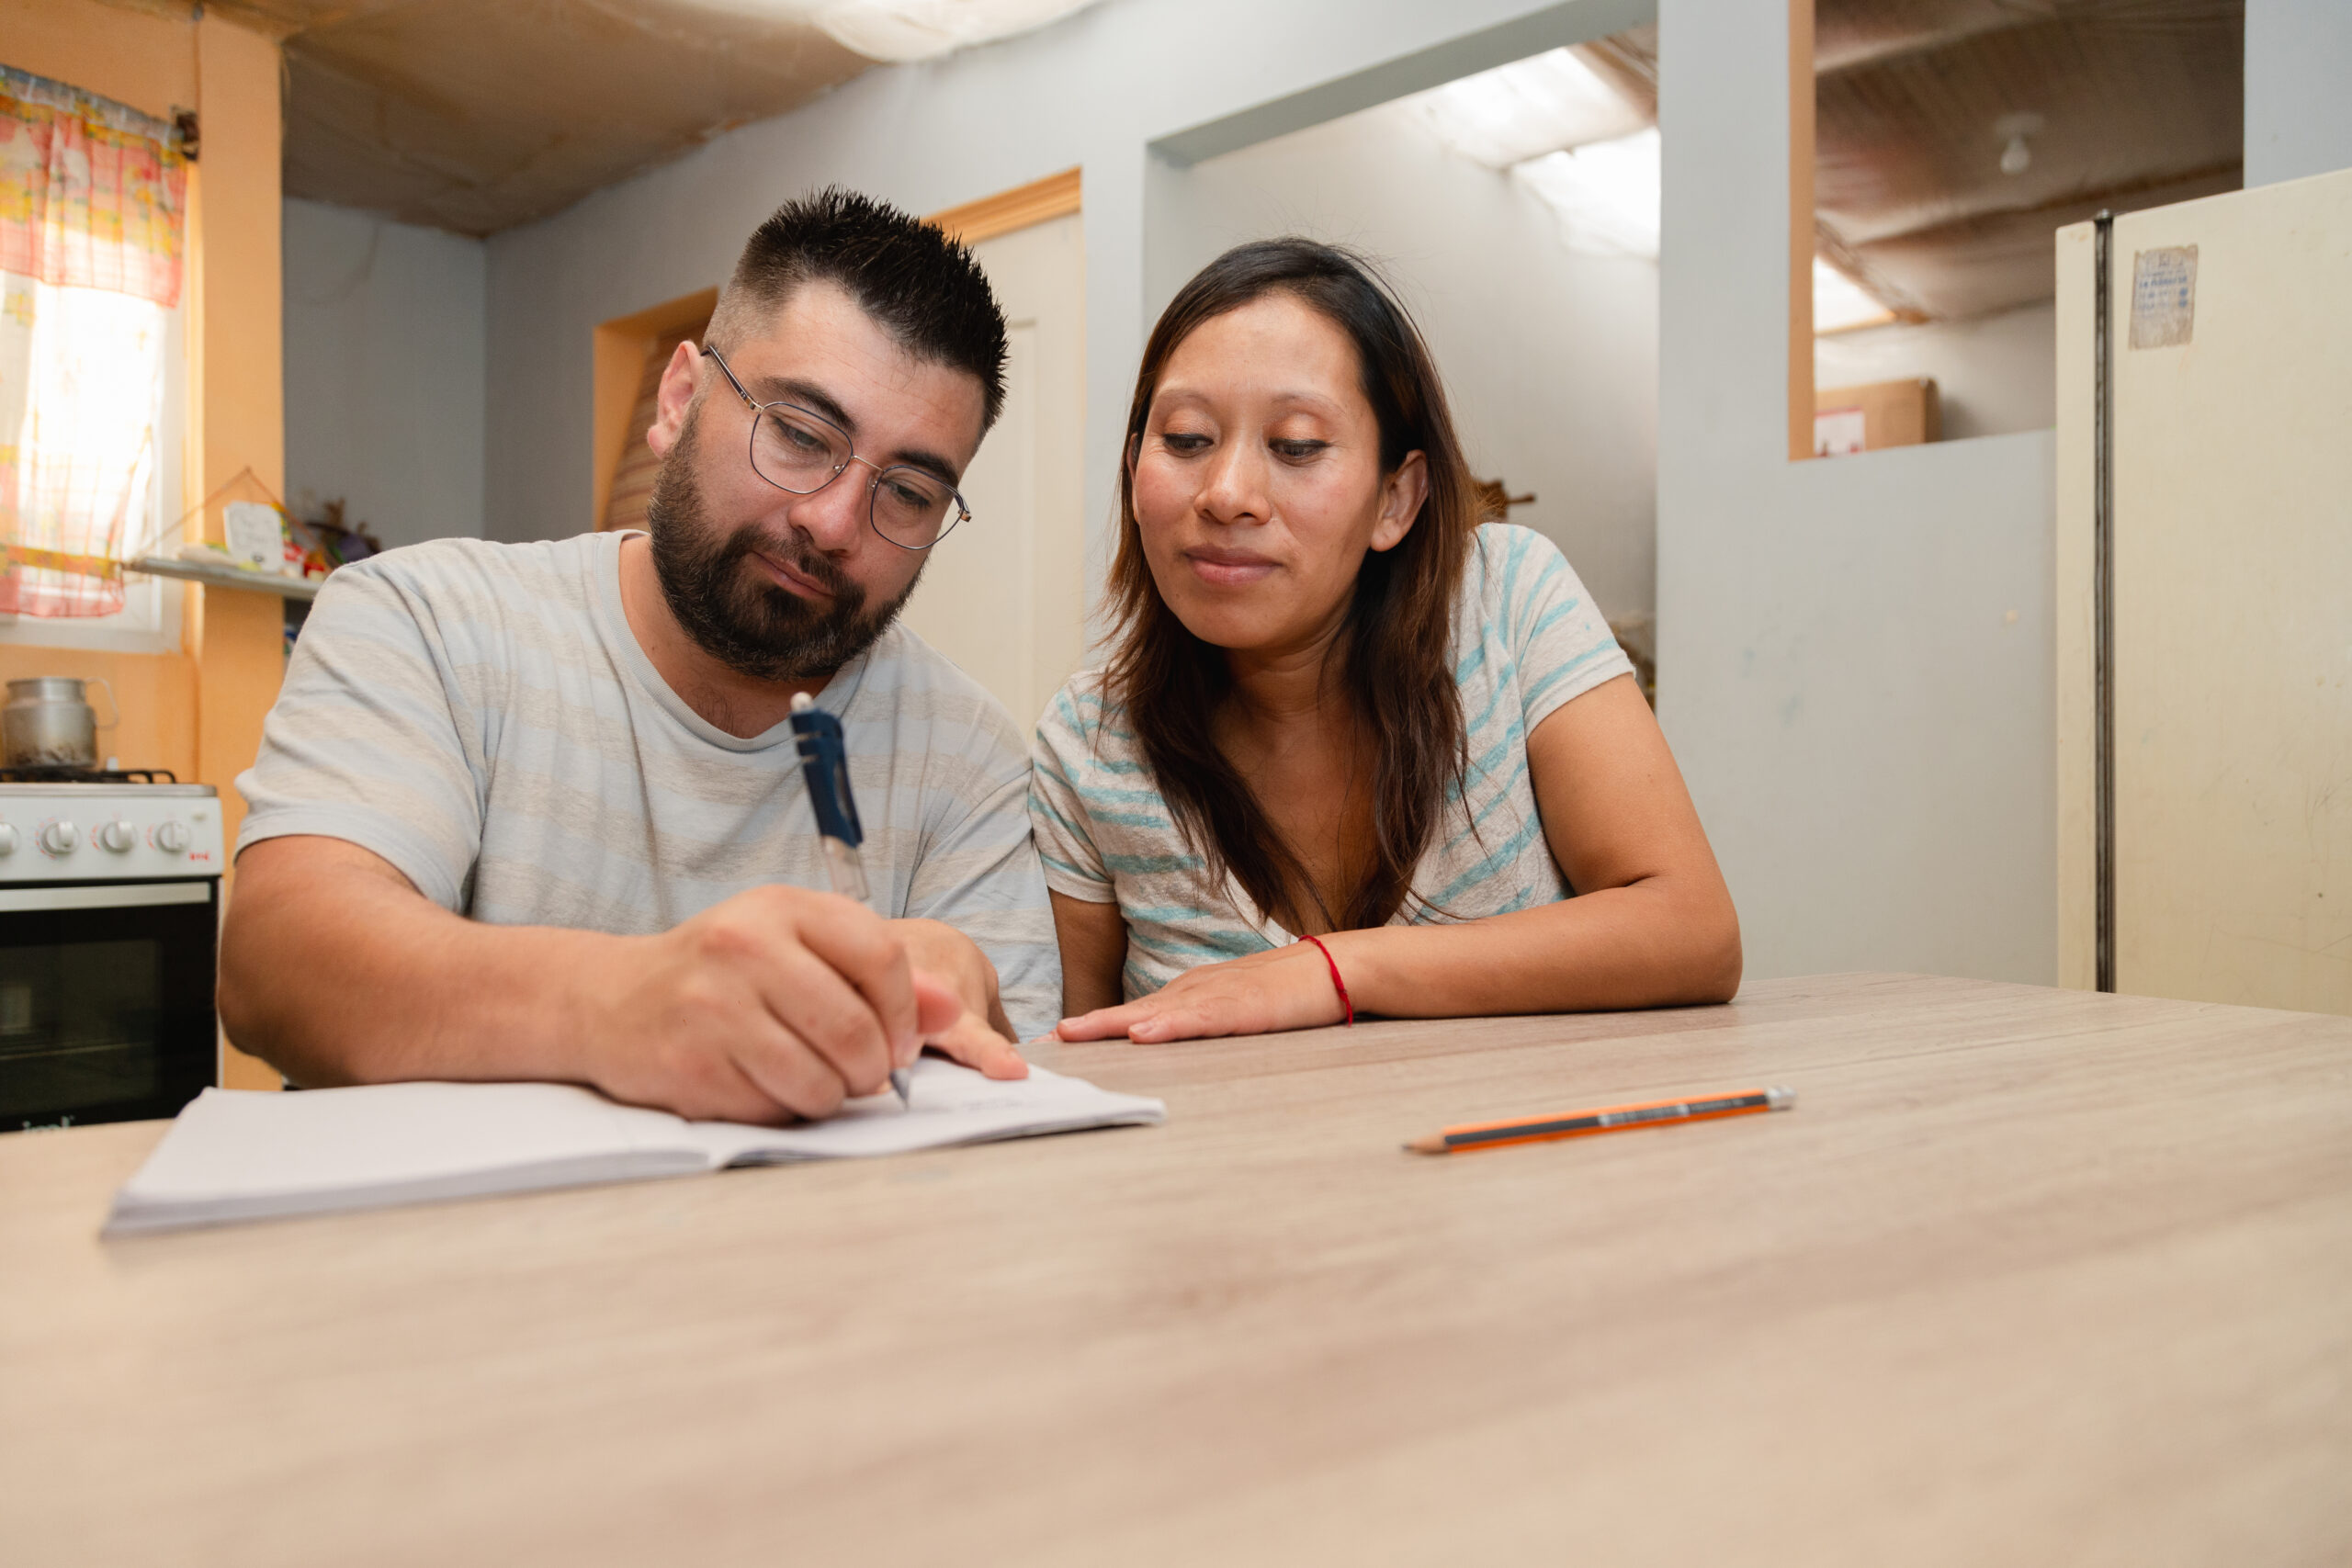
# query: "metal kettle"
[49,723]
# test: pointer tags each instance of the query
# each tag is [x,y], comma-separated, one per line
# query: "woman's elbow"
[1711,957]
[1723,956]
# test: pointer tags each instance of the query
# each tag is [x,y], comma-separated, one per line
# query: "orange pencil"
[1609,1119]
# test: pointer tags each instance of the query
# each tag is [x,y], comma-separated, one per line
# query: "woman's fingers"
[1103,1023]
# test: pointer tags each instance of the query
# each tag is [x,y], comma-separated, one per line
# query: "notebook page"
[951,1104]
[236,1154]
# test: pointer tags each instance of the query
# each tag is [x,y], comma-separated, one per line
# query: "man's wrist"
[567,1035]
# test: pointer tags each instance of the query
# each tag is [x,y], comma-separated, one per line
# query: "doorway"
[1004,595]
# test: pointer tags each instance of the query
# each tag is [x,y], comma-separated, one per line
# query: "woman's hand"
[1284,988]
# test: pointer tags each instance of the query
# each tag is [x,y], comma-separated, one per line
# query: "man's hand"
[981,1037]
[776,1003]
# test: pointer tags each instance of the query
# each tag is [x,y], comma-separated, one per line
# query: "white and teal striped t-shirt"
[1526,639]
[481,716]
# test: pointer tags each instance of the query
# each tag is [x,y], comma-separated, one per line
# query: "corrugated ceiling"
[477,114]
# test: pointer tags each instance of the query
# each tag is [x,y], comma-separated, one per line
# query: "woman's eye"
[1184,441]
[1298,451]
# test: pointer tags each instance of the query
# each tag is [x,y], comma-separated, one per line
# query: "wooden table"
[2029,1276]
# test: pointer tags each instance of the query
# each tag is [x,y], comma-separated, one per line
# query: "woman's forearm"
[1649,944]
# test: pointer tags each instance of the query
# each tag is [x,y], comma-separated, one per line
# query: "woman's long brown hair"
[1399,674]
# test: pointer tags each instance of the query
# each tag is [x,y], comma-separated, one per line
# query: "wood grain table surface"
[2029,1276]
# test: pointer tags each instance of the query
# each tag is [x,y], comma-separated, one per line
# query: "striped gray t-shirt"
[481,716]
[1526,639]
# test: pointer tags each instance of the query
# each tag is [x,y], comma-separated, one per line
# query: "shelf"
[225,576]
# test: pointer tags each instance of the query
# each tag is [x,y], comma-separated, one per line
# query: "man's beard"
[731,608]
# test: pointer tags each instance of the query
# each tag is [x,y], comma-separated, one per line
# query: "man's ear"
[1401,499]
[676,396]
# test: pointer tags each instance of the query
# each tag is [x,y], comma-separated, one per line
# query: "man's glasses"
[801,452]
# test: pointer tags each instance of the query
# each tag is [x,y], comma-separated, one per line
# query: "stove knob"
[7,840]
[172,838]
[117,835]
[59,837]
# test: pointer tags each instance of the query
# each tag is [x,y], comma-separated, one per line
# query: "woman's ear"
[675,396]
[1402,496]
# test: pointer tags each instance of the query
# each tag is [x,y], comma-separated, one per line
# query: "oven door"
[106,999]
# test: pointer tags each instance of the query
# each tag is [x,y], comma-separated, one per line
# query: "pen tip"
[904,1082]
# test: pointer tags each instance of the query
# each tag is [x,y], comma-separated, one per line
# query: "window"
[92,203]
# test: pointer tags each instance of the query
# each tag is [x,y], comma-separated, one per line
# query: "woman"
[1350,752]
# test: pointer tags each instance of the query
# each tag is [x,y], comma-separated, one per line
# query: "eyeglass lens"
[802,454]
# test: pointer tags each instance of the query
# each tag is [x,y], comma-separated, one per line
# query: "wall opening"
[1948,144]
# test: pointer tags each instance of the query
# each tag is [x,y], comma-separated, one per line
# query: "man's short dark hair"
[923,289]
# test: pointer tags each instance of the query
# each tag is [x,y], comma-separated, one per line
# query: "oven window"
[79,1024]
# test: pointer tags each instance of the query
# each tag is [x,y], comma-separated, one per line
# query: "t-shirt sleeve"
[1560,644]
[979,873]
[1073,865]
[364,743]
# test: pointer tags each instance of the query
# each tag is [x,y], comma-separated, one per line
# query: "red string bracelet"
[1336,984]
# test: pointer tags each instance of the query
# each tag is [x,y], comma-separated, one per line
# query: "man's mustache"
[799,551]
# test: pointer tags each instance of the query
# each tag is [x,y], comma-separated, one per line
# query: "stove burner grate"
[88,775]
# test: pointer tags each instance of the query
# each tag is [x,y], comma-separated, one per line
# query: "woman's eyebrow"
[1318,402]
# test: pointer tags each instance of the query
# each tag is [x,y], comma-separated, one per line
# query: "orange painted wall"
[197,712]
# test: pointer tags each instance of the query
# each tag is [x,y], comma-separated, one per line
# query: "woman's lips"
[1229,569]
[793,581]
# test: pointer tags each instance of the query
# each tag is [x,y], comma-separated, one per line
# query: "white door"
[2230,326]
[1004,595]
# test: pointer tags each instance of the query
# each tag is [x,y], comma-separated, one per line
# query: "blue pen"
[824,763]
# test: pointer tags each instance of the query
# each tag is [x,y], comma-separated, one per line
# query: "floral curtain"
[93,222]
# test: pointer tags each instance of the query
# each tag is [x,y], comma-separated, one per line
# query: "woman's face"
[1258,486]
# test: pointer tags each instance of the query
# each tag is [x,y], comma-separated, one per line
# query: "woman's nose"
[1234,490]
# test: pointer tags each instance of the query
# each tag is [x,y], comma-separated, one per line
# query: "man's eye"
[913,500]
[794,436]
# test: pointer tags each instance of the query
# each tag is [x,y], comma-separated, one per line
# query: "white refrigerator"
[2204,592]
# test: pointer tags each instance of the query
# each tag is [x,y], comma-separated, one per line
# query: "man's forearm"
[335,971]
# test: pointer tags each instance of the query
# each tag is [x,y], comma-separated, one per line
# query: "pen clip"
[824,763]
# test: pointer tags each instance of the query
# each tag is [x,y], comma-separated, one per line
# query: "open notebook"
[240,1155]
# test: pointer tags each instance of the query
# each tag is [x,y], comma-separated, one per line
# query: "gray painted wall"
[386,371]
[1550,356]
[2298,88]
[1867,732]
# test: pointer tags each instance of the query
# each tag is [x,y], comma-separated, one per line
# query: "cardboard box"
[1847,420]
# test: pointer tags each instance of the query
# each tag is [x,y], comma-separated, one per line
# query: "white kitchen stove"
[109,928]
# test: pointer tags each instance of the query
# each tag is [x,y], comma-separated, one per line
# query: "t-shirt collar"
[612,625]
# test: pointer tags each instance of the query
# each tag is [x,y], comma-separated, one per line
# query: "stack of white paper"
[236,1154]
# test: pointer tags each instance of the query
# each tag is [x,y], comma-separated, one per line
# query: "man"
[534,811]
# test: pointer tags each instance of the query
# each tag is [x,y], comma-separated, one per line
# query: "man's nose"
[835,515]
